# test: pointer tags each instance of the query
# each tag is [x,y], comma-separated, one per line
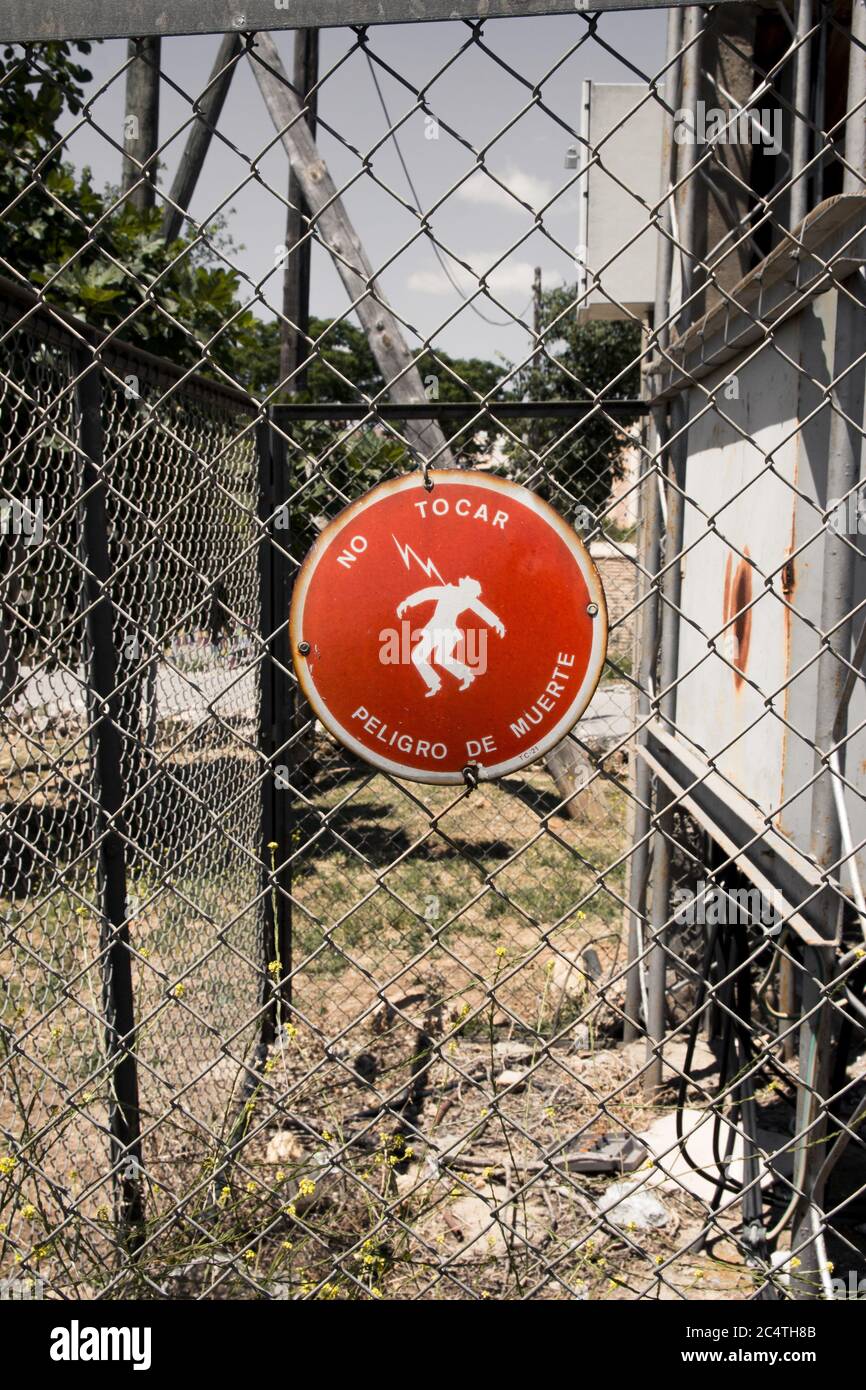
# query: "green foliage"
[577,361]
[344,369]
[97,258]
[40,196]
[160,296]
[107,263]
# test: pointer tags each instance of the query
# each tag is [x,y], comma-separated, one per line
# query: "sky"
[479,97]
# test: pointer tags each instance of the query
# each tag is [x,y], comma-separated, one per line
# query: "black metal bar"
[31,20]
[294,328]
[458,410]
[267,743]
[286,715]
[102,703]
[275,728]
[771,862]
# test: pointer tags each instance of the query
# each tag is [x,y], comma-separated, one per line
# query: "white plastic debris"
[633,1204]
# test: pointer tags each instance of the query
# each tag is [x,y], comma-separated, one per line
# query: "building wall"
[616,565]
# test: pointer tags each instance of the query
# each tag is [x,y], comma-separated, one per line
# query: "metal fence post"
[640,864]
[840,556]
[275,721]
[802,137]
[102,708]
[661,875]
[650,550]
[693,26]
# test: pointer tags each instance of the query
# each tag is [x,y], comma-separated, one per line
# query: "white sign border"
[451,478]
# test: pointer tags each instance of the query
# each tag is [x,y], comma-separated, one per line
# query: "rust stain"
[789,589]
[737,613]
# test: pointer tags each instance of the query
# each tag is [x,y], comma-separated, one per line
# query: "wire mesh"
[277,1025]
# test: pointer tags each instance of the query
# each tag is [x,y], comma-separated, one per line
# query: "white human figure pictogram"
[441,635]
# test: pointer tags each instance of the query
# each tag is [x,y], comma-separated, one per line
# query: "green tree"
[41,199]
[104,261]
[96,256]
[582,460]
[343,368]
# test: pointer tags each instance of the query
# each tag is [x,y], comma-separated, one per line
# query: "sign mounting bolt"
[304,648]
[592,609]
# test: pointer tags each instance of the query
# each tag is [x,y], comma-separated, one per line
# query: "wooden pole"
[141,125]
[337,233]
[295,323]
[209,109]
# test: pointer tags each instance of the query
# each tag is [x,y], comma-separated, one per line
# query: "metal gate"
[275,1025]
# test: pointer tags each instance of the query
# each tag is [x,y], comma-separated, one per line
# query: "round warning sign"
[461,626]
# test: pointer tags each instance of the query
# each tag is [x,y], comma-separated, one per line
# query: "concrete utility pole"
[336,232]
[296,280]
[201,132]
[536,303]
[141,124]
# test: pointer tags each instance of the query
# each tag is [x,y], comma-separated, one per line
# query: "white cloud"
[480,188]
[510,278]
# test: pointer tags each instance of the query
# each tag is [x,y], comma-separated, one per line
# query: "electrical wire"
[470,303]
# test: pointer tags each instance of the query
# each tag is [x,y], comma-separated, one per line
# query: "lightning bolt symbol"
[427,565]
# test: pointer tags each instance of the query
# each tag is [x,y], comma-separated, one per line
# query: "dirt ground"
[447,1108]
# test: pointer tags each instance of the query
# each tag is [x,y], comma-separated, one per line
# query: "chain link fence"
[277,1025]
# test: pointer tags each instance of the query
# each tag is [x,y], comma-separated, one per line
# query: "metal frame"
[32,22]
[477,411]
[103,701]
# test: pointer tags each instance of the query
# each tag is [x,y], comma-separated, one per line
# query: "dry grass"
[378,1152]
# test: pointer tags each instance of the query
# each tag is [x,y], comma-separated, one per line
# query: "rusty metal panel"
[739,520]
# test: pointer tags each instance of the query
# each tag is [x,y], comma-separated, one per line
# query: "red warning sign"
[460,626]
